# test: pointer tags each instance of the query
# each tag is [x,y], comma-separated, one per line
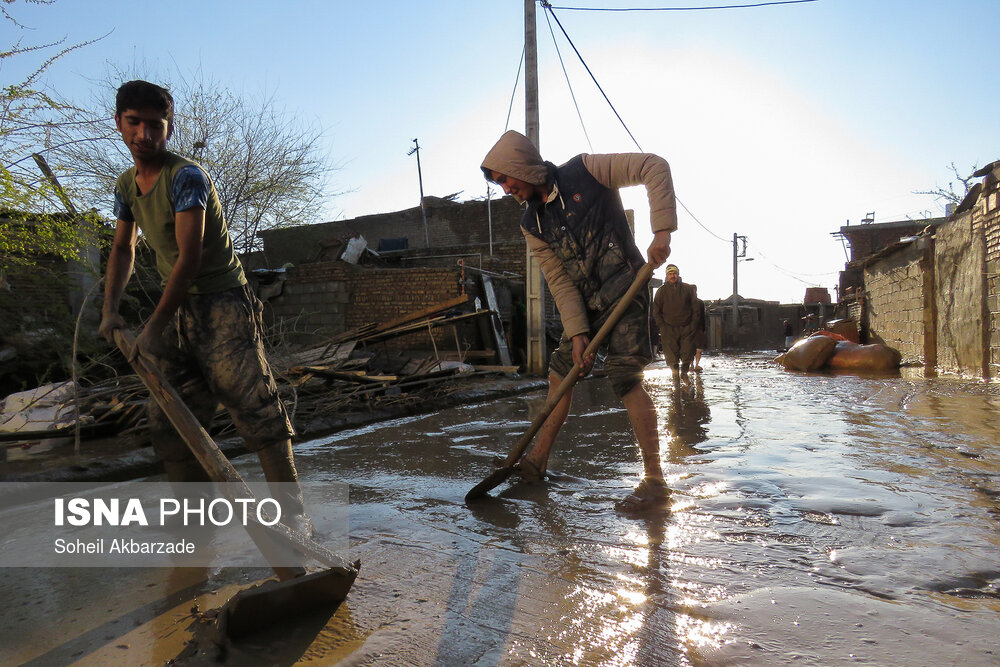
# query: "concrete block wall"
[894,289]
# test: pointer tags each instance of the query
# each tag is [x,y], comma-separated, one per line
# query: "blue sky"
[780,123]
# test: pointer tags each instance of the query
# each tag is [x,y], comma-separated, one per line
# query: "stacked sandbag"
[830,350]
[850,356]
[808,354]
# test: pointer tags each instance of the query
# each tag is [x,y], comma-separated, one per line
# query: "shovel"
[297,592]
[500,475]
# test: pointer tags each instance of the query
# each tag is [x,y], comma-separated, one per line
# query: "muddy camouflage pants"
[628,347]
[216,355]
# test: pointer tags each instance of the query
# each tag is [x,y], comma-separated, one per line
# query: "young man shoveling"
[205,332]
[575,225]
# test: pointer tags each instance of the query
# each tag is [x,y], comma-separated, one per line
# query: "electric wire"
[568,84]
[682,9]
[795,275]
[699,221]
[548,6]
[513,93]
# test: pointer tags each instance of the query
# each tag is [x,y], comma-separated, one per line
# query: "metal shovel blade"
[274,602]
[495,479]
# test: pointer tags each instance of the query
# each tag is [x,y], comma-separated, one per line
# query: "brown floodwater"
[816,519]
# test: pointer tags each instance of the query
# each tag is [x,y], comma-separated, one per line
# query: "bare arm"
[120,262]
[189,231]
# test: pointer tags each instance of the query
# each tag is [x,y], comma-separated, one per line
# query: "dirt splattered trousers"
[628,347]
[216,355]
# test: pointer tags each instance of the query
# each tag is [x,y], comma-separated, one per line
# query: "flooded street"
[816,519]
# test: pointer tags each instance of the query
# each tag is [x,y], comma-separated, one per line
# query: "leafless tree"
[950,195]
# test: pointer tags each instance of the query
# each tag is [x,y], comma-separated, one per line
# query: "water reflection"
[688,416]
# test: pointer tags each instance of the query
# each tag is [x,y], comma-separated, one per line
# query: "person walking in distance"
[675,310]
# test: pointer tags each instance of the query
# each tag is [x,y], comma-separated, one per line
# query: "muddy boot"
[279,470]
[650,494]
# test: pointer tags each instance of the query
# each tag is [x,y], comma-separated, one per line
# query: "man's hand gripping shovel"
[500,475]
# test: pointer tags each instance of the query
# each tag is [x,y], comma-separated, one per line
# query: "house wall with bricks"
[959,296]
[449,224]
[895,291]
[322,299]
[986,216]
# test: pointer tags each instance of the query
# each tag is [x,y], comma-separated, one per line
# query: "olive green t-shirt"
[154,212]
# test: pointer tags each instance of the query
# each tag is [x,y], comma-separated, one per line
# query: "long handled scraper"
[500,475]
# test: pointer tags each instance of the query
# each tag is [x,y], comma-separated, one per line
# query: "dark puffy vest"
[590,235]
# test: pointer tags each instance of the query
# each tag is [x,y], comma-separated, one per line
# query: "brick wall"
[322,299]
[959,266]
[987,216]
[895,298]
[449,224]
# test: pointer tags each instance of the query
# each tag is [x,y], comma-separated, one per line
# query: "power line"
[795,276]
[678,9]
[594,79]
[568,84]
[546,5]
[699,222]
[517,78]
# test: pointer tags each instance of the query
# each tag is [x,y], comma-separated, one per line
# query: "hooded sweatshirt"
[579,234]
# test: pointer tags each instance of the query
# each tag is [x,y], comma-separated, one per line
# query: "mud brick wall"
[895,290]
[449,224]
[987,217]
[959,265]
[332,297]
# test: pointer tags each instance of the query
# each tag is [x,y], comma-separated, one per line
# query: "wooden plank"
[495,369]
[426,312]
[267,538]
[501,340]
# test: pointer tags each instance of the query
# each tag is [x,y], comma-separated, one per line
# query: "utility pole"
[534,284]
[739,250]
[420,179]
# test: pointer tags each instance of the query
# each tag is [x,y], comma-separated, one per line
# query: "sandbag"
[808,354]
[846,327]
[874,357]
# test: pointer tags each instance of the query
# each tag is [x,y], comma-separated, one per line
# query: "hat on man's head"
[673,267]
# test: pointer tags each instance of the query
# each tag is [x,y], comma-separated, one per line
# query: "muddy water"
[815,520]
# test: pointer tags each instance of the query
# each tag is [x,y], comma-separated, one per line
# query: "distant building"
[867,239]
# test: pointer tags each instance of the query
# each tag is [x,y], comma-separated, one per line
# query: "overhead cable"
[568,84]
[546,5]
[699,222]
[517,78]
[678,9]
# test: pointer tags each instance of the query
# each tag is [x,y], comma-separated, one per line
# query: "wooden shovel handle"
[641,278]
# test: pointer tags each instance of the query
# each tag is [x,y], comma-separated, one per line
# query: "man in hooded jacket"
[575,225]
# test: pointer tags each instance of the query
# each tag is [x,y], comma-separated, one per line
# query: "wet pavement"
[816,519]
